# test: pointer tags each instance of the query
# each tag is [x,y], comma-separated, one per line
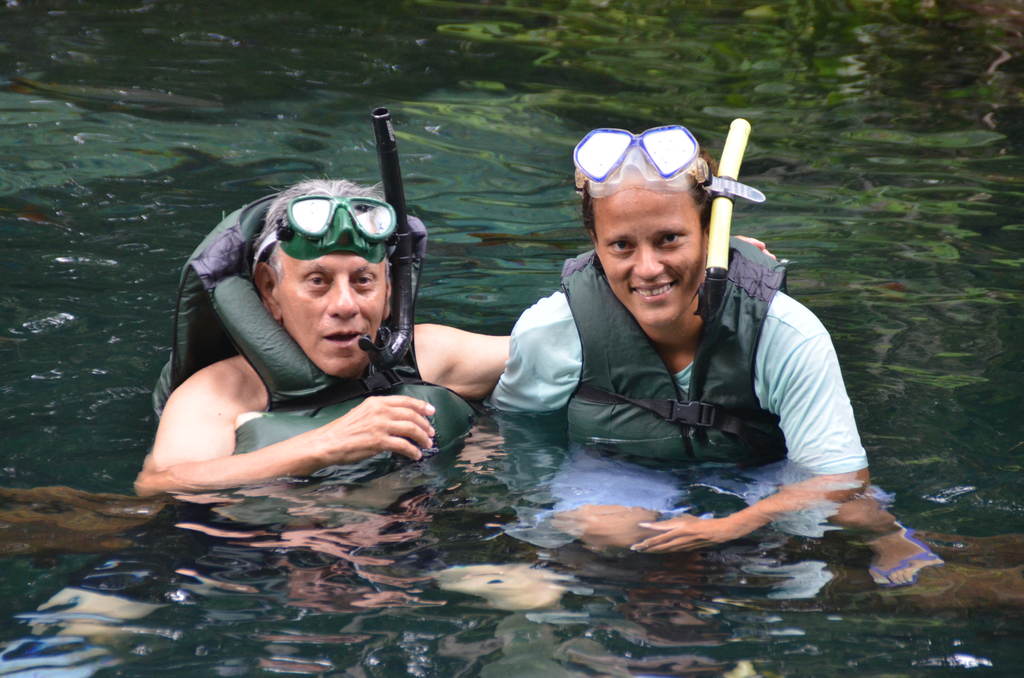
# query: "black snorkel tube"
[395,337]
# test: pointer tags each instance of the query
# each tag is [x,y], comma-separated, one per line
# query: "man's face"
[326,304]
[653,251]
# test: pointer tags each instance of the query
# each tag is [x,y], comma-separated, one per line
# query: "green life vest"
[627,398]
[219,314]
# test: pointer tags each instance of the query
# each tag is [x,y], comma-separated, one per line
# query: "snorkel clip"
[730,188]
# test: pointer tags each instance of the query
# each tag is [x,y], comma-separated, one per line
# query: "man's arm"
[195,441]
[465,362]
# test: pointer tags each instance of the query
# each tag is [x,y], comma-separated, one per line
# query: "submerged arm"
[690,532]
[797,377]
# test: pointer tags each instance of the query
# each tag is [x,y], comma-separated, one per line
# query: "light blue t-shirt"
[796,376]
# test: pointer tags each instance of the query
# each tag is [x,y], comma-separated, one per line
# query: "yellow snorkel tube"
[721,219]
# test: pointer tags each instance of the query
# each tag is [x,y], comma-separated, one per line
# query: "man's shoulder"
[231,381]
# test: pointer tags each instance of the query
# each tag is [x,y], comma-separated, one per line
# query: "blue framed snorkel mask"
[317,225]
[665,159]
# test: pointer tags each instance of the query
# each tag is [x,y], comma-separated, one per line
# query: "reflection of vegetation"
[934,378]
[65,520]
[848,50]
[958,139]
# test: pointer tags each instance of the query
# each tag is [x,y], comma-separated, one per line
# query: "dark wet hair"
[699,193]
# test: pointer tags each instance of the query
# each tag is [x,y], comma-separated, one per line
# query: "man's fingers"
[387,412]
[403,447]
[410,431]
[421,406]
[758,244]
[407,417]
[411,410]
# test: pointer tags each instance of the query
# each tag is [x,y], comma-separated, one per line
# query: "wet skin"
[653,251]
[326,304]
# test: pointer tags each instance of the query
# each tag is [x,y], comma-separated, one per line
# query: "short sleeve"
[545,358]
[797,376]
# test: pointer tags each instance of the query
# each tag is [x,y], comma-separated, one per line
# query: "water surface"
[887,136]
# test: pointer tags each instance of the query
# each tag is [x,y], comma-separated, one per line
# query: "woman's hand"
[687,533]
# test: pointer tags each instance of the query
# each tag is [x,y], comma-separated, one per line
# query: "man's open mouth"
[343,337]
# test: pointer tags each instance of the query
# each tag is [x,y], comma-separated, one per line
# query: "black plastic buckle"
[381,381]
[694,413]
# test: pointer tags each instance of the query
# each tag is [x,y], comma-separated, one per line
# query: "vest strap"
[688,413]
[378,382]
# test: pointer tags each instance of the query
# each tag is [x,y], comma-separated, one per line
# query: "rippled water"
[887,136]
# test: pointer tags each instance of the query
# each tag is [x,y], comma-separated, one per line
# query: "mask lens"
[311,216]
[601,151]
[670,149]
[373,219]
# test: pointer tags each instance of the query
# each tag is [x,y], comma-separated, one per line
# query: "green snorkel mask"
[318,225]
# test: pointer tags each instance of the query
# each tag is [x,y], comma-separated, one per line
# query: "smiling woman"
[645,374]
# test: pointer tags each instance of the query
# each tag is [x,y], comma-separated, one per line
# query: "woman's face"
[653,251]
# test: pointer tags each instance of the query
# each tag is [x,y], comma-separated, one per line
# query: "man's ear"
[265,278]
[387,298]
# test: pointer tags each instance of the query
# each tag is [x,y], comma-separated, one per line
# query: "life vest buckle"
[381,381]
[694,413]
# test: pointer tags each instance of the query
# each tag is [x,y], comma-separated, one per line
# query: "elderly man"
[299,394]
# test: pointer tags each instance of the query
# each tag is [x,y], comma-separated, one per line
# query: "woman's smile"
[652,248]
[652,293]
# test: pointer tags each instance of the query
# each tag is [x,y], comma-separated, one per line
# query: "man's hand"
[758,244]
[206,406]
[687,533]
[395,424]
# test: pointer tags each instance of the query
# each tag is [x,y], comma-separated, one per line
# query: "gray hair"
[266,243]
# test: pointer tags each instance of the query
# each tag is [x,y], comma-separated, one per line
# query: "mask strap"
[262,251]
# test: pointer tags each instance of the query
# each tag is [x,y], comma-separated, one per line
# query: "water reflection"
[397,542]
[60,520]
[888,135]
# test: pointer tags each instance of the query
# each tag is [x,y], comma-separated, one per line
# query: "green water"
[886,134]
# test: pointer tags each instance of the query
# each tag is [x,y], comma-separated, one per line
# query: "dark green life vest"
[627,398]
[219,314]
